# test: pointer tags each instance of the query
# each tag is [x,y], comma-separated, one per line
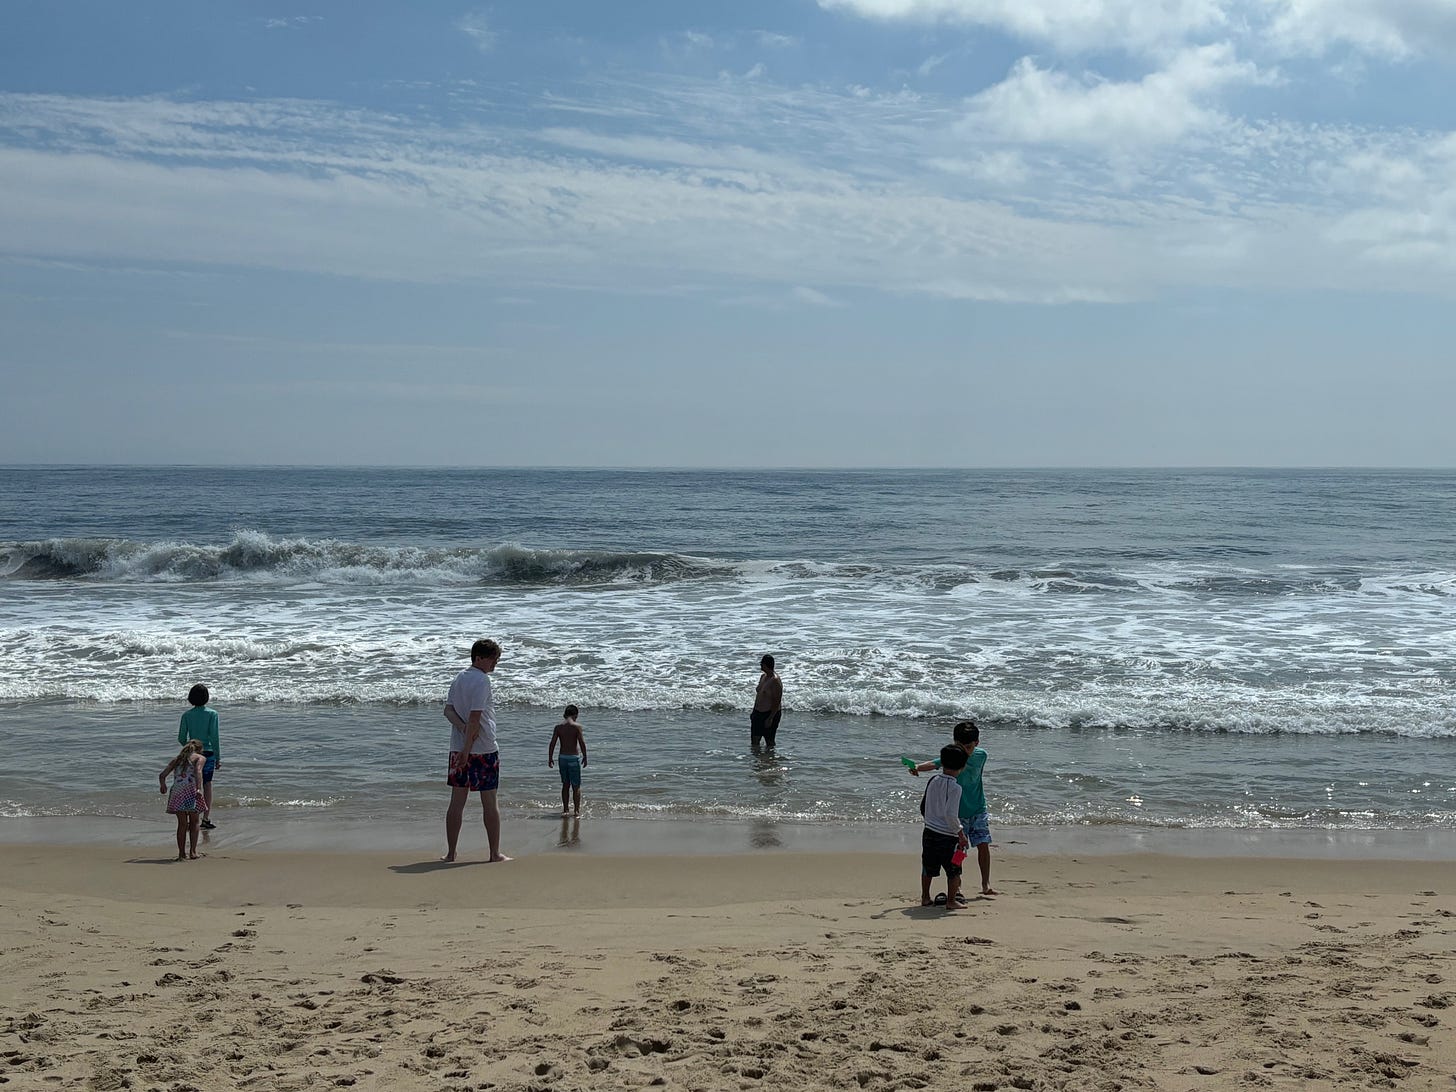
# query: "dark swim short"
[209,767]
[481,773]
[764,726]
[937,851]
[570,766]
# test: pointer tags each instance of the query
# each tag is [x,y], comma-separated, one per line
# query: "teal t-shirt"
[973,795]
[200,723]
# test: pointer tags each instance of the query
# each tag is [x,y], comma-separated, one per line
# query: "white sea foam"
[1188,646]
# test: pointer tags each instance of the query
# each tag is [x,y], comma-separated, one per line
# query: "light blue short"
[978,829]
[570,766]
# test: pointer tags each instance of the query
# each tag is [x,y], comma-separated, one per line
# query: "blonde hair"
[187,749]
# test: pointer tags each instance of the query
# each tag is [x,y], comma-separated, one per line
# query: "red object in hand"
[958,857]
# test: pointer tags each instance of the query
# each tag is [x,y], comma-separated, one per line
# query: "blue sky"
[804,233]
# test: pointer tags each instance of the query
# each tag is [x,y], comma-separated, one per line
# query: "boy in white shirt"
[943,835]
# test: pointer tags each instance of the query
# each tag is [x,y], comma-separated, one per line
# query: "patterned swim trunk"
[481,773]
[570,770]
[978,829]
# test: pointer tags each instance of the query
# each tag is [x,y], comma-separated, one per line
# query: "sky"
[807,233]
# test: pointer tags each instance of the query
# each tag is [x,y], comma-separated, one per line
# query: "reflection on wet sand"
[570,831]
[764,834]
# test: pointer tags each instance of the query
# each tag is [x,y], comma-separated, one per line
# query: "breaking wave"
[258,557]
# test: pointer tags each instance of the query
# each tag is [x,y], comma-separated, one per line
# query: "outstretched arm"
[581,739]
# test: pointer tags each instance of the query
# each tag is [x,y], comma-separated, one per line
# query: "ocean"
[1147,651]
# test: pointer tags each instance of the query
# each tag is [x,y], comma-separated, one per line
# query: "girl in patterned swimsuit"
[185,799]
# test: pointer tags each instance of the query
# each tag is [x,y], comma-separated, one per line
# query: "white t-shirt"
[943,805]
[471,691]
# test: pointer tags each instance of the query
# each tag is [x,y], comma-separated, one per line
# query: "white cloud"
[1395,29]
[1004,167]
[1407,204]
[770,40]
[1042,105]
[475,26]
[930,64]
[1076,26]
[805,294]
[290,21]
[737,189]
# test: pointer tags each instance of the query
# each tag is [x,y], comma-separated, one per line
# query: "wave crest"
[258,557]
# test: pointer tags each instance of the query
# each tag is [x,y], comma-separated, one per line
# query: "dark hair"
[484,650]
[571,711]
[198,696]
[966,732]
[766,663]
[952,757]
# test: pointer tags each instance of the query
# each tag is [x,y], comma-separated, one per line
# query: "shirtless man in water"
[768,706]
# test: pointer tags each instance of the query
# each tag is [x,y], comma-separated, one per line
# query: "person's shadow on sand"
[421,867]
[933,911]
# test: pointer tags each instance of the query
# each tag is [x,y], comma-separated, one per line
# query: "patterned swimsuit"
[184,797]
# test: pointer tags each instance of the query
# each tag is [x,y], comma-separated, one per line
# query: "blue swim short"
[209,767]
[978,829]
[481,773]
[570,766]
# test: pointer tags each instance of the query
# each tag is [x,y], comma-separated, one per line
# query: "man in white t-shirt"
[474,757]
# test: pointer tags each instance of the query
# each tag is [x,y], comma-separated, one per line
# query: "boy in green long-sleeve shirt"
[974,820]
[200,723]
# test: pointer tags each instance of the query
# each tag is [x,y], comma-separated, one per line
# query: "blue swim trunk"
[481,773]
[209,767]
[570,766]
[978,829]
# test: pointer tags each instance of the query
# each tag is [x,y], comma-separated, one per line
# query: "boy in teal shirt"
[200,723]
[974,818]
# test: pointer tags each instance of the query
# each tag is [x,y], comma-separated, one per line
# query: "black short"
[936,851]
[764,726]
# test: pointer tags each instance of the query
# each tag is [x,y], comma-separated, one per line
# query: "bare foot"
[181,856]
[498,858]
[926,902]
[564,813]
[192,856]
[449,858]
[989,891]
[951,906]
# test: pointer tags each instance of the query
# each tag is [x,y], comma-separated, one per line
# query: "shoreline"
[548,833]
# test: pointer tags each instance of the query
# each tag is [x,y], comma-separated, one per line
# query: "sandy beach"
[269,970]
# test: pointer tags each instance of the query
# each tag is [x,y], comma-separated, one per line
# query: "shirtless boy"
[573,757]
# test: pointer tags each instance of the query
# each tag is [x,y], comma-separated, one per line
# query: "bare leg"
[207,800]
[924,890]
[983,858]
[952,890]
[576,798]
[565,797]
[454,816]
[194,824]
[181,836]
[491,814]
